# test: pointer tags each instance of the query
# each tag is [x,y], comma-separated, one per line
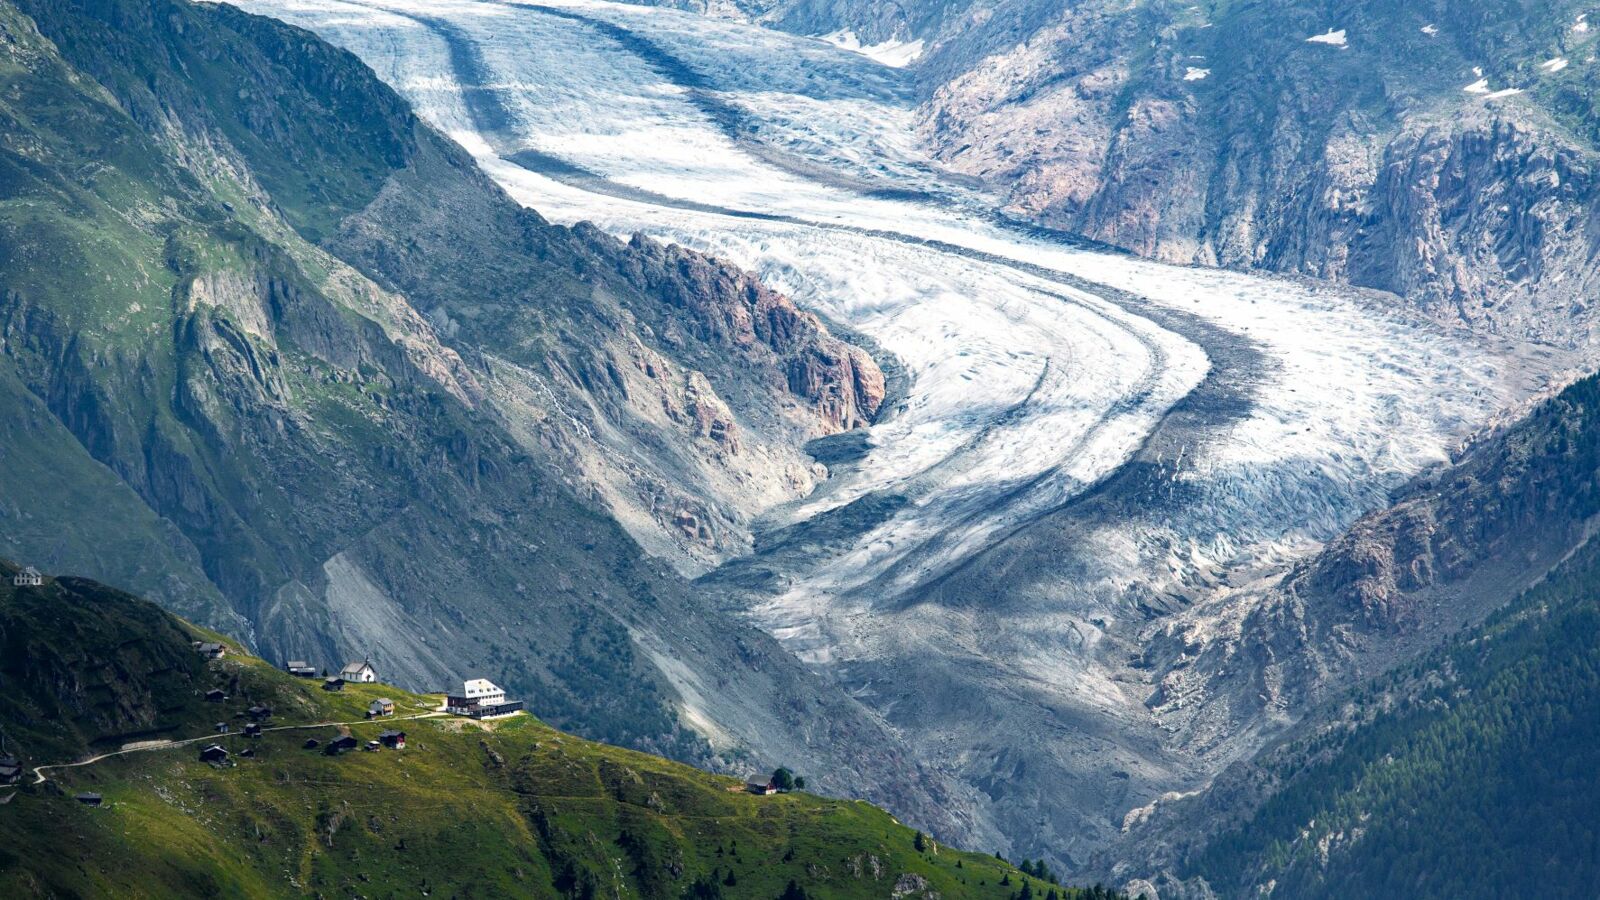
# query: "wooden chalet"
[394,740]
[216,754]
[211,649]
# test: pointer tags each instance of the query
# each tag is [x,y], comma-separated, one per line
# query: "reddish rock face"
[843,381]
[726,306]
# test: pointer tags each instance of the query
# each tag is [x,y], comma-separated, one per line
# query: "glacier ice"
[1037,366]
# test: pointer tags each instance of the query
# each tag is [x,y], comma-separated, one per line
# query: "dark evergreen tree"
[783,779]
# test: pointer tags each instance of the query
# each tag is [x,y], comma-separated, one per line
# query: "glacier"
[1241,419]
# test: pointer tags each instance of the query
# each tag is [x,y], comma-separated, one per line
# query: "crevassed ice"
[1024,391]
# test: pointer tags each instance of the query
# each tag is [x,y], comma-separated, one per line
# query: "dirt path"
[40,778]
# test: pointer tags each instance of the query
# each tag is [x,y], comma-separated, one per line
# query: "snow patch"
[1481,86]
[896,54]
[1430,29]
[1554,65]
[1332,38]
[1503,92]
[1194,74]
[1582,25]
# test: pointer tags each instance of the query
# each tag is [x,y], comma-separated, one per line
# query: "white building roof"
[479,687]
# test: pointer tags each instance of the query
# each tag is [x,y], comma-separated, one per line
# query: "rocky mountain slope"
[1441,153]
[1469,774]
[279,356]
[1510,522]
[1455,546]
[466,808]
[1438,152]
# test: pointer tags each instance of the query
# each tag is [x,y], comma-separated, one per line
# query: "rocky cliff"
[672,389]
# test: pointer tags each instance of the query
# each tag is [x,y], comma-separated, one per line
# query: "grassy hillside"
[468,809]
[77,682]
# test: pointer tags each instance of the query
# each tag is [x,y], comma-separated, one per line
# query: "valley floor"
[1089,446]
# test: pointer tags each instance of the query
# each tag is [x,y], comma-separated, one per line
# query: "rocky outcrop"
[655,379]
[732,309]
